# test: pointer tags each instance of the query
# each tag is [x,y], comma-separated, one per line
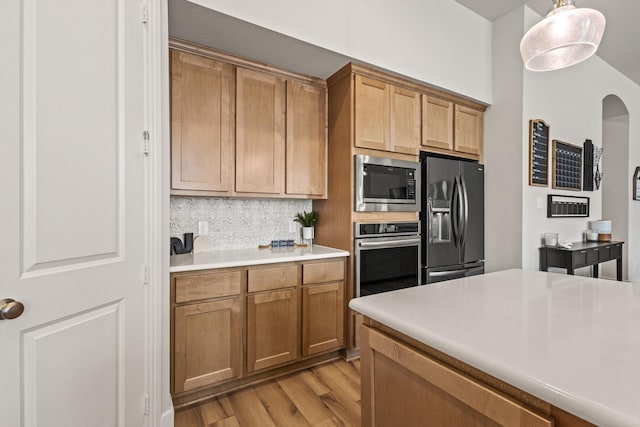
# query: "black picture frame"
[561,206]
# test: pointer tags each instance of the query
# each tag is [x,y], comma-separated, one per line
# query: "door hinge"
[146,274]
[146,136]
[147,400]
[145,12]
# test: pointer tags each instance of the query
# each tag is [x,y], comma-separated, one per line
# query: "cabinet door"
[272,329]
[260,109]
[468,130]
[404,121]
[201,123]
[400,383]
[306,148]
[371,113]
[437,123]
[322,318]
[207,343]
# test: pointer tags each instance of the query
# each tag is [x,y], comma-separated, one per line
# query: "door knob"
[10,309]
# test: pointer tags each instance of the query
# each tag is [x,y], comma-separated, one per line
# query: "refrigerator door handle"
[445,273]
[460,211]
[466,211]
[455,221]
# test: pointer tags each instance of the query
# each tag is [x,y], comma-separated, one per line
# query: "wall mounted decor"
[636,184]
[538,153]
[587,163]
[567,206]
[566,168]
[597,175]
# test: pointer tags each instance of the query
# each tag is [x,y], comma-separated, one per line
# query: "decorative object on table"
[566,168]
[603,228]
[592,236]
[597,175]
[177,247]
[567,206]
[566,36]
[201,244]
[587,162]
[636,184]
[538,153]
[307,220]
[550,239]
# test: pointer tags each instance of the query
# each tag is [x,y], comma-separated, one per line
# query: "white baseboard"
[167,419]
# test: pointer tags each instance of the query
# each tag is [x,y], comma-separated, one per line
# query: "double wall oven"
[387,256]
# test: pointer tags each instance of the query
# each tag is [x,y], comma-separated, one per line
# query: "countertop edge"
[336,253]
[584,408]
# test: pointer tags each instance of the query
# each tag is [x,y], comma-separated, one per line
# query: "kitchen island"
[507,348]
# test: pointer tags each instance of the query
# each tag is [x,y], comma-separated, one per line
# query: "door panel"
[441,249]
[71,161]
[371,113]
[473,248]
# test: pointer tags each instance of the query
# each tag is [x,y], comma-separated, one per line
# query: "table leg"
[570,270]
[619,269]
[595,270]
[543,260]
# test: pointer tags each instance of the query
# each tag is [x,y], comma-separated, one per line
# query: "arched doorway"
[616,181]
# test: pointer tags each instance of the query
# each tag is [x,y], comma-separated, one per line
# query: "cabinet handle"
[583,252]
[596,250]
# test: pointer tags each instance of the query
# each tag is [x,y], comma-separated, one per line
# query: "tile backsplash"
[236,223]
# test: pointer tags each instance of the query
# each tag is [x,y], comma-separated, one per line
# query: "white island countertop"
[243,257]
[571,341]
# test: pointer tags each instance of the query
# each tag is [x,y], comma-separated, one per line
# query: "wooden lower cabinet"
[272,329]
[322,318]
[409,383]
[207,341]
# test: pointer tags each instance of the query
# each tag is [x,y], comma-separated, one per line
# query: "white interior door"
[71,215]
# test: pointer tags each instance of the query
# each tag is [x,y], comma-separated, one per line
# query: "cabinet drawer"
[593,256]
[579,258]
[616,251]
[605,253]
[264,279]
[205,286]
[330,271]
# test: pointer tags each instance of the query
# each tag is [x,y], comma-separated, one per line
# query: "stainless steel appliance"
[452,218]
[384,184]
[387,256]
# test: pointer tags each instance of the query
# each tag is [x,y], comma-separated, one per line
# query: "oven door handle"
[389,243]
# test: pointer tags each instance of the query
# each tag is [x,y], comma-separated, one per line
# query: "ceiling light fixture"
[566,36]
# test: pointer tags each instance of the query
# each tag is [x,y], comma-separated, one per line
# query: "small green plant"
[306,219]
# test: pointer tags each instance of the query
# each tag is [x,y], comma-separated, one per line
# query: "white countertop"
[242,257]
[571,341]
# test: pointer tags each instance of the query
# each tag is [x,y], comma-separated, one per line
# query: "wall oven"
[387,256]
[384,184]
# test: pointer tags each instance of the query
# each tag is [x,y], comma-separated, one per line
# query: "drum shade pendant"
[566,36]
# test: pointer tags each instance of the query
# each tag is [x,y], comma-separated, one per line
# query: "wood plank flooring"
[324,396]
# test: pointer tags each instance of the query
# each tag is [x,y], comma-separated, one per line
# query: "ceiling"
[619,46]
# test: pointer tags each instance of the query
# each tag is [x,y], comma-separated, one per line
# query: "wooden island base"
[405,382]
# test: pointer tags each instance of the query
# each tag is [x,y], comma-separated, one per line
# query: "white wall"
[503,150]
[434,41]
[616,184]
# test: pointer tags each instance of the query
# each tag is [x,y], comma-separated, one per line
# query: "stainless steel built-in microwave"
[384,184]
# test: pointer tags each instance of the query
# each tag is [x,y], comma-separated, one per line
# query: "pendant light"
[566,36]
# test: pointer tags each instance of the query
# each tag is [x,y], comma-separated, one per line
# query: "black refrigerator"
[452,218]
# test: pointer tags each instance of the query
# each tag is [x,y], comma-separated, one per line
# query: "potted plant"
[307,221]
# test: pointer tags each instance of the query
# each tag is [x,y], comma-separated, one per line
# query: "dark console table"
[582,254]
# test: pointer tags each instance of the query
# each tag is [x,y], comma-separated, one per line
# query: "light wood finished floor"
[324,396]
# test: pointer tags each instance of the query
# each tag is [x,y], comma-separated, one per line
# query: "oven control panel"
[404,228]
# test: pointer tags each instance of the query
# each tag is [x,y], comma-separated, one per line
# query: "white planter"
[307,233]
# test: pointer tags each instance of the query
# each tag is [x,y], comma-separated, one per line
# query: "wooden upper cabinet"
[260,133]
[437,123]
[371,113]
[201,132]
[468,130]
[404,121]
[306,141]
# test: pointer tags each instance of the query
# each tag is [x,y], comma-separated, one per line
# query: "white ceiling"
[620,45]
